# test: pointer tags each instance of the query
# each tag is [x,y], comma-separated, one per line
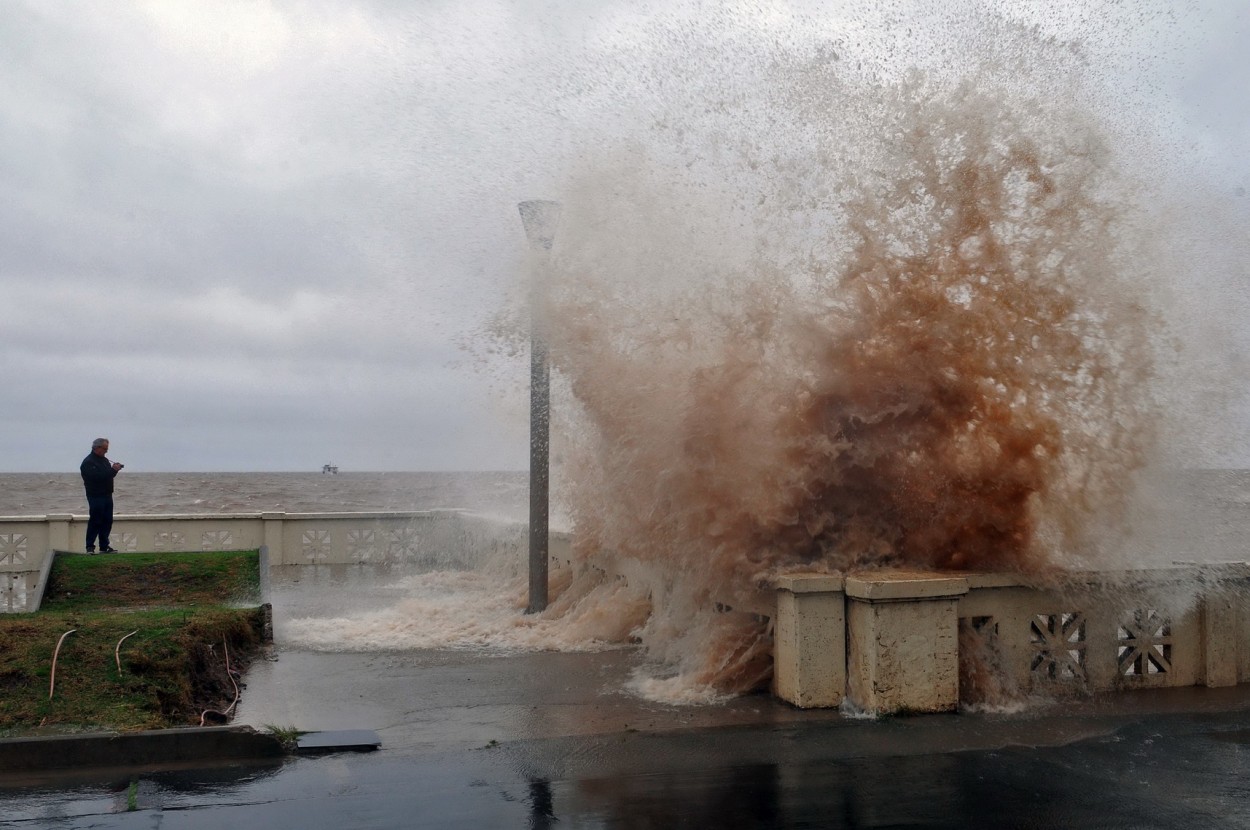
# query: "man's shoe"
[108,550]
[91,550]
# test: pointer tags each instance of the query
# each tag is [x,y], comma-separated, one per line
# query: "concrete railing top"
[887,585]
[810,583]
[880,583]
[251,516]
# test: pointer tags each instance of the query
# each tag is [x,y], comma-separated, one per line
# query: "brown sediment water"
[850,321]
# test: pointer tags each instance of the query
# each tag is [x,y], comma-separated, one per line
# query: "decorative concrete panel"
[14,548]
[1101,632]
[1059,642]
[315,546]
[362,545]
[169,540]
[216,540]
[1145,644]
[401,543]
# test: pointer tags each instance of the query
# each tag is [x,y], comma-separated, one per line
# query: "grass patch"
[153,579]
[171,670]
[288,735]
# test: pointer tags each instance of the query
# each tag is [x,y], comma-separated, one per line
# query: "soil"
[159,640]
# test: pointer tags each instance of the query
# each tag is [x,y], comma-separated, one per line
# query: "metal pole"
[539,218]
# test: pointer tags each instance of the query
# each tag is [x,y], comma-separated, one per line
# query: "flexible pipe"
[117,652]
[52,684]
[230,674]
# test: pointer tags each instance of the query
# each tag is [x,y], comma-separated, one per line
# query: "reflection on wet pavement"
[546,739]
[1160,771]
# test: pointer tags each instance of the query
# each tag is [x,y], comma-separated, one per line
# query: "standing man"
[97,476]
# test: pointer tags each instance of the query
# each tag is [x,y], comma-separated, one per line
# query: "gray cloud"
[251,236]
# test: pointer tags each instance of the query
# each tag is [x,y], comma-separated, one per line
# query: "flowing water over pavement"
[540,741]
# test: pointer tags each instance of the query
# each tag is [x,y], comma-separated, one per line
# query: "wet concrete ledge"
[150,747]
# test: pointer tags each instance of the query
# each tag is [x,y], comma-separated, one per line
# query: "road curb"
[157,746]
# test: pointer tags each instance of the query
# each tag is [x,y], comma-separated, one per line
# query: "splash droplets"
[890,322]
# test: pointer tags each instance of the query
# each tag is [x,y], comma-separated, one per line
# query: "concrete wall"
[437,538]
[894,641]
[888,641]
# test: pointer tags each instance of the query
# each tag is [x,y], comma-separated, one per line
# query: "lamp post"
[539,218]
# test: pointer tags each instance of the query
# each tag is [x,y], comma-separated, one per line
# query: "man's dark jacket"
[97,475]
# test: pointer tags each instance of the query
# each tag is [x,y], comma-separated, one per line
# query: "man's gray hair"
[99,442]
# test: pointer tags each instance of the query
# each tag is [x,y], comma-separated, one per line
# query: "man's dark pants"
[99,519]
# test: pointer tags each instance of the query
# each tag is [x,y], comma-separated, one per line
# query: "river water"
[1199,515]
[504,494]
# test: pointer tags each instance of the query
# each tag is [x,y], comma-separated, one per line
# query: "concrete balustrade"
[436,538]
[895,641]
[884,640]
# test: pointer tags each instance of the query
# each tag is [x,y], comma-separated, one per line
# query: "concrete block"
[1219,640]
[272,534]
[903,641]
[809,640]
[58,530]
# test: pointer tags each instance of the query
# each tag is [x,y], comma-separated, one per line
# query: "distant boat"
[329,468]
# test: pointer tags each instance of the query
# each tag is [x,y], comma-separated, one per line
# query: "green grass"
[171,669]
[288,735]
[153,579]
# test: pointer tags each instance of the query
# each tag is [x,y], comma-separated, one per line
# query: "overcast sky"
[252,236]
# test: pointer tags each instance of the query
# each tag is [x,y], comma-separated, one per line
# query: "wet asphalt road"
[1088,765]
[550,740]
